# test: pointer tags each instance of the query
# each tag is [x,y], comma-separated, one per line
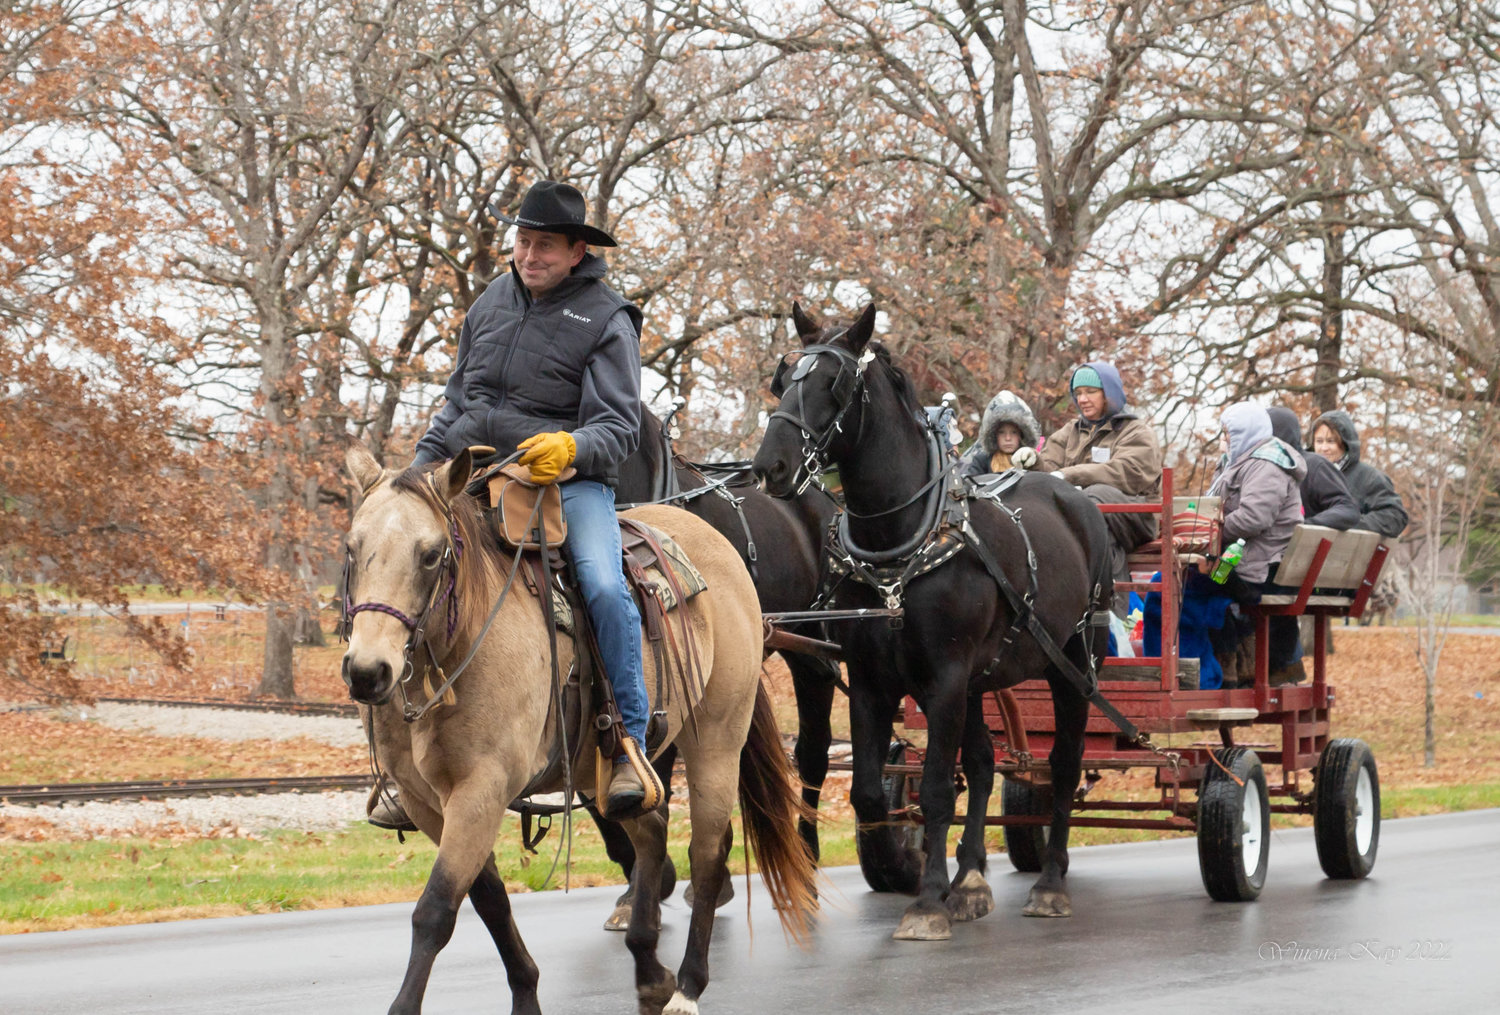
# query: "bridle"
[847,390]
[417,629]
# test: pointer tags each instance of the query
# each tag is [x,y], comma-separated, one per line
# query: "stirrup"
[384,809]
[652,792]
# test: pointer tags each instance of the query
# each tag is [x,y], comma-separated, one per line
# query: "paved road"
[1418,936]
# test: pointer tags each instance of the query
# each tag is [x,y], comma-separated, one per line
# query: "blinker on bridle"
[847,384]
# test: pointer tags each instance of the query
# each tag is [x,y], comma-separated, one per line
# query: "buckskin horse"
[419,548]
[780,541]
[910,538]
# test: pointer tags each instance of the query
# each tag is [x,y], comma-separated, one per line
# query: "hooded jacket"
[1006,407]
[1121,450]
[568,360]
[1326,499]
[1380,507]
[1259,484]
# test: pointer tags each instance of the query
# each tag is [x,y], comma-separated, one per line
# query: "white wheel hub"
[1364,811]
[1250,822]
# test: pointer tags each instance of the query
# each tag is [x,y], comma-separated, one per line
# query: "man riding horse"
[549,363]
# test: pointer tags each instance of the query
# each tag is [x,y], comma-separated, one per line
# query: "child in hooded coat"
[1006,429]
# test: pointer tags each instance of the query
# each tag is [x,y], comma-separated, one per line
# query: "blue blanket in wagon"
[1204,605]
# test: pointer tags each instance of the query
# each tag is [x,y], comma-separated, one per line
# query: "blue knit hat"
[1086,377]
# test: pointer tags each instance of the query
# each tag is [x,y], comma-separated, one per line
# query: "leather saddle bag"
[513,506]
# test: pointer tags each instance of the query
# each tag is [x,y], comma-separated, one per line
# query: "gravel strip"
[227,724]
[225,815]
[231,815]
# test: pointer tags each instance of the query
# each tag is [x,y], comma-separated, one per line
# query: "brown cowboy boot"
[634,786]
[384,810]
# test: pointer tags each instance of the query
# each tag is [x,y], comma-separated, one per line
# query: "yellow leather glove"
[547,454]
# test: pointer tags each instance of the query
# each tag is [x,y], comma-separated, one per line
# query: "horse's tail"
[770,806]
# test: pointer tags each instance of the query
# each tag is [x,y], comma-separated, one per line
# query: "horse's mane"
[906,392]
[478,570]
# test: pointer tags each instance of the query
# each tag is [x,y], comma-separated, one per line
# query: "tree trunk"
[1330,347]
[1429,732]
[278,376]
[276,676]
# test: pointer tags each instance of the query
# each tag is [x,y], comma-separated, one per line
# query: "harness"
[417,629]
[666,488]
[946,531]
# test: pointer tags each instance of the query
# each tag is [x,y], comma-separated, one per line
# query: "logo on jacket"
[577,317]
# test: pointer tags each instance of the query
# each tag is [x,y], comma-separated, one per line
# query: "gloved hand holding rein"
[547,455]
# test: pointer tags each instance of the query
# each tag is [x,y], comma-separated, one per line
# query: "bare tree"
[250,122]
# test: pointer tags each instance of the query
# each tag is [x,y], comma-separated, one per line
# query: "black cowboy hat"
[553,207]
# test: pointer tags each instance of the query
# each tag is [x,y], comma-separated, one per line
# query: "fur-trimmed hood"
[1007,407]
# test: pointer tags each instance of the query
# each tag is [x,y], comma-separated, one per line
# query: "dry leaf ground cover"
[169,873]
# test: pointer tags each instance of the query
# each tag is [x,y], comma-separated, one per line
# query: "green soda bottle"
[1227,561]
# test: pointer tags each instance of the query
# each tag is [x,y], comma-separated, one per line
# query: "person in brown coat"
[1111,453]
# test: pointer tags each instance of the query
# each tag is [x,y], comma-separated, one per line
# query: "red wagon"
[1223,790]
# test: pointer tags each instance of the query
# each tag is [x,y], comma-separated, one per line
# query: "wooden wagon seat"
[1337,583]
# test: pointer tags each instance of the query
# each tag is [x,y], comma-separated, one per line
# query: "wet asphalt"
[1421,934]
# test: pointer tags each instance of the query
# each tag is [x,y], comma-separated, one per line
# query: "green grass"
[60,885]
[1408,802]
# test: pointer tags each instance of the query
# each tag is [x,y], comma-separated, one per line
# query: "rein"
[729,473]
[418,628]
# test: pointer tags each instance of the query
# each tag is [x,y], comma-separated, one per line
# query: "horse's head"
[400,566]
[818,386]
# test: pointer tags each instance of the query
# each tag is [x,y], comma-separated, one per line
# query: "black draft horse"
[846,404]
[781,542]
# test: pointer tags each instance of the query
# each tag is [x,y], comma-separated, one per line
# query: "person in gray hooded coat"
[1008,438]
[1258,483]
[1380,507]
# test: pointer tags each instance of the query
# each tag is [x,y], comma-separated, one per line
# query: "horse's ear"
[862,330]
[454,476]
[807,328]
[362,466]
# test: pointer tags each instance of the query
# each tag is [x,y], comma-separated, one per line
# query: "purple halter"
[415,625]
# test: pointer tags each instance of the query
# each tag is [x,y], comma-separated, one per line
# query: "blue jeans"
[593,545]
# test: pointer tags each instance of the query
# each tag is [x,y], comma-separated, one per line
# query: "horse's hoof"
[651,999]
[726,893]
[924,926]
[620,918]
[971,898]
[680,1005]
[1048,903]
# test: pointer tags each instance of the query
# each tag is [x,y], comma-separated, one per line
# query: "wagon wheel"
[905,876]
[1346,809]
[1234,826]
[1026,845]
